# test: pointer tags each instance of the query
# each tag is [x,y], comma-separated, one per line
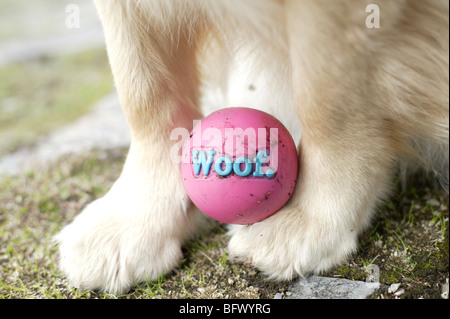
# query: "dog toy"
[239,165]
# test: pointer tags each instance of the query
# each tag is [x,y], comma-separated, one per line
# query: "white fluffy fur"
[362,100]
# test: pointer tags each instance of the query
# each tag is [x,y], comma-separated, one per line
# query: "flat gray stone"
[103,128]
[316,287]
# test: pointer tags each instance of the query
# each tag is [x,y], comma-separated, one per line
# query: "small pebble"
[444,293]
[399,292]
[433,202]
[278,295]
[393,288]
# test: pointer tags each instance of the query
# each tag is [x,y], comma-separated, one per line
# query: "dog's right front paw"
[107,251]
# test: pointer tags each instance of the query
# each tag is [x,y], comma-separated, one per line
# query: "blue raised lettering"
[237,166]
[202,162]
[228,166]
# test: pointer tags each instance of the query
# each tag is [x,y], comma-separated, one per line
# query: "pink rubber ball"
[239,165]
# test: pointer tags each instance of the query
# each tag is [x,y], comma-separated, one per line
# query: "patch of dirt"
[406,248]
[407,244]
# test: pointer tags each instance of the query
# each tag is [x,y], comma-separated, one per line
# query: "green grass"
[35,205]
[38,96]
[408,242]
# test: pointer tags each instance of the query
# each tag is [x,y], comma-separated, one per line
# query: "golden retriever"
[361,85]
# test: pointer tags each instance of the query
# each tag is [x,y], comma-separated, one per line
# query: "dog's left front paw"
[287,244]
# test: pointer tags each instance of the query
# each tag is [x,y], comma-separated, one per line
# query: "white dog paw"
[132,234]
[102,250]
[285,245]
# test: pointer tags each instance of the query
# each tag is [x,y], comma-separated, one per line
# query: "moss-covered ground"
[407,244]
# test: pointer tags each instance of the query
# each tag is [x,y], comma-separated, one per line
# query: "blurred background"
[54,72]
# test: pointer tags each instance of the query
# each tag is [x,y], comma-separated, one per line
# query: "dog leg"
[135,232]
[318,228]
[346,154]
